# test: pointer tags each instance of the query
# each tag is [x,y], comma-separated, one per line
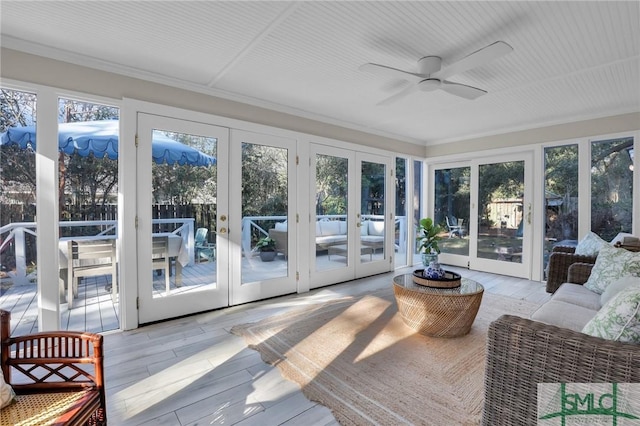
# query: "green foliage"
[428,237]
[266,244]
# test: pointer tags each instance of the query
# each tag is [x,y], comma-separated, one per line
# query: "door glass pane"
[400,229]
[561,197]
[611,187]
[88,200]
[416,208]
[18,255]
[372,213]
[500,211]
[330,230]
[452,202]
[265,205]
[184,182]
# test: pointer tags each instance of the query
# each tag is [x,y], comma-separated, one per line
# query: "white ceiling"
[571,60]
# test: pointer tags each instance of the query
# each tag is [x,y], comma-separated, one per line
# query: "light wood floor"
[193,371]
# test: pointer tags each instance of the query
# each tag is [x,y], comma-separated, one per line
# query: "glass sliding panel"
[451,210]
[500,211]
[400,229]
[184,182]
[88,200]
[330,232]
[561,197]
[416,208]
[372,212]
[612,187]
[18,253]
[265,204]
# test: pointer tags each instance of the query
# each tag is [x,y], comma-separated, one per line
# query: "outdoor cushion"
[364,228]
[371,239]
[281,226]
[612,263]
[577,294]
[331,239]
[564,314]
[376,228]
[331,227]
[590,245]
[619,319]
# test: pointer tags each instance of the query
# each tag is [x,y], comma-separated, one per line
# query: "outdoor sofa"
[551,347]
[331,233]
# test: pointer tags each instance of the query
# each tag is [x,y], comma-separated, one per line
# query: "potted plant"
[267,248]
[428,237]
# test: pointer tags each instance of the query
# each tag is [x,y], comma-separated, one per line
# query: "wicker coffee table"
[437,312]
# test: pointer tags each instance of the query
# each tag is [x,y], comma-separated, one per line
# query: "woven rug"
[356,356]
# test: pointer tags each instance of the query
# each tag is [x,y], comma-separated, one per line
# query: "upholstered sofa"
[563,342]
[330,233]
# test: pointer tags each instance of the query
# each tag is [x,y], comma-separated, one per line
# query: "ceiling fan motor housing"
[429,64]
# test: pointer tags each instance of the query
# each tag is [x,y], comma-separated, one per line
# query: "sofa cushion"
[331,240]
[364,228]
[564,314]
[376,228]
[281,226]
[577,294]
[617,286]
[590,245]
[330,227]
[7,395]
[612,263]
[619,318]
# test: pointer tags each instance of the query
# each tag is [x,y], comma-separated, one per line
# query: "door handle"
[222,231]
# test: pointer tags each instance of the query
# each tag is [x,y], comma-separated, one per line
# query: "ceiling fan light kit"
[431,76]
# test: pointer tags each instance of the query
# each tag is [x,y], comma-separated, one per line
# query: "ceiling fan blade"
[391,72]
[401,94]
[462,90]
[476,59]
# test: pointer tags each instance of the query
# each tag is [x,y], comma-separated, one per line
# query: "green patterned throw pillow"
[611,264]
[590,245]
[619,318]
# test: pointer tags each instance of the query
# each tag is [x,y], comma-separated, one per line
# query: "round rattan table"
[437,312]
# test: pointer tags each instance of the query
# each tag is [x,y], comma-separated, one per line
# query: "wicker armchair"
[562,257]
[58,377]
[522,353]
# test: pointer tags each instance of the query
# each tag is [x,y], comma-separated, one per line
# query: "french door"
[207,196]
[485,209]
[180,195]
[350,227]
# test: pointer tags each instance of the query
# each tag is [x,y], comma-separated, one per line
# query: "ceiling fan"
[431,76]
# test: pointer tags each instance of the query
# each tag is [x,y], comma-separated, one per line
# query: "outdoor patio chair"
[204,249]
[90,258]
[454,226]
[160,258]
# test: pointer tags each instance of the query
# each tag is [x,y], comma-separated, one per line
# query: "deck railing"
[16,232]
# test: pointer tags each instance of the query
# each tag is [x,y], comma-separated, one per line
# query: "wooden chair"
[58,377]
[160,258]
[89,258]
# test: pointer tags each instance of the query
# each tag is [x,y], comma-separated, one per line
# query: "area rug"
[356,356]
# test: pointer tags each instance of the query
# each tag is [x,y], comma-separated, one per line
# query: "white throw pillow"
[617,286]
[611,264]
[619,319]
[620,237]
[376,228]
[7,395]
[590,245]
[281,226]
[364,228]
